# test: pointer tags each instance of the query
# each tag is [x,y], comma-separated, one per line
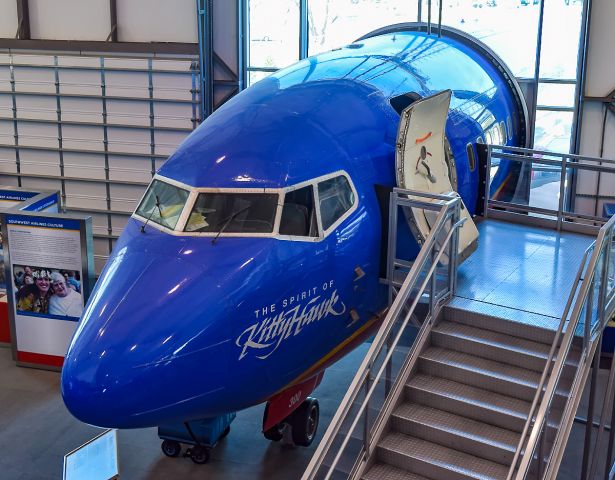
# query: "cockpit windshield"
[233,213]
[163,204]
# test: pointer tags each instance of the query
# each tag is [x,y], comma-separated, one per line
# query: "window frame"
[193,194]
[344,215]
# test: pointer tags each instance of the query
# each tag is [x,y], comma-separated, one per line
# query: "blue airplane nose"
[148,340]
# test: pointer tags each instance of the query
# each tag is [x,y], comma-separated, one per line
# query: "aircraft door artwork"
[421,165]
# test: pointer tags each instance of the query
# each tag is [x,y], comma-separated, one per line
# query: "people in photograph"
[40,302]
[71,280]
[26,297]
[65,301]
[21,275]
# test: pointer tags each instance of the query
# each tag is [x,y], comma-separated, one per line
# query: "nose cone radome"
[145,348]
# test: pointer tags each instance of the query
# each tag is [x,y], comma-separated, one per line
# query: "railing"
[355,427]
[543,197]
[550,419]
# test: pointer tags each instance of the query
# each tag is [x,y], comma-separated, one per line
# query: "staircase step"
[459,433]
[382,471]
[480,372]
[492,345]
[508,321]
[435,461]
[467,401]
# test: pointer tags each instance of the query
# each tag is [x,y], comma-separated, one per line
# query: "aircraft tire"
[304,422]
[171,448]
[199,454]
[275,433]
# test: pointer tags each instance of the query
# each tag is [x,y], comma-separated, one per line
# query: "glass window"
[299,215]
[233,213]
[335,23]
[503,132]
[509,27]
[163,204]
[553,131]
[556,94]
[471,158]
[255,76]
[336,198]
[274,33]
[561,33]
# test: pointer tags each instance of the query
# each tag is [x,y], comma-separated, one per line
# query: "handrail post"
[590,416]
[453,259]
[562,194]
[588,313]
[366,440]
[432,284]
[392,246]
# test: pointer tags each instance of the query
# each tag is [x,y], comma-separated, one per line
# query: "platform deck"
[521,272]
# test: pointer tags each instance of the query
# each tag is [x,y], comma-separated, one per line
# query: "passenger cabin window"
[299,215]
[163,204]
[233,213]
[503,134]
[471,157]
[336,198]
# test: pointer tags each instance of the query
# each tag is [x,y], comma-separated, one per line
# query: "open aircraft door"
[423,165]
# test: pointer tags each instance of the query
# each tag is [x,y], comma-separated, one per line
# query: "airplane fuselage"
[186,322]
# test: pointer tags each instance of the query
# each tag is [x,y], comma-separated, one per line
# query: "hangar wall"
[600,82]
[94,127]
[95,122]
[138,20]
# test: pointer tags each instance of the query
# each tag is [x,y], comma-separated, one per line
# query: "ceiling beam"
[148,48]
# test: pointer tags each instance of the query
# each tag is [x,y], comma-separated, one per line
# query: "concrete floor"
[36,431]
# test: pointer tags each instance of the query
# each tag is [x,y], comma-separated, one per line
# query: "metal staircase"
[464,408]
[479,394]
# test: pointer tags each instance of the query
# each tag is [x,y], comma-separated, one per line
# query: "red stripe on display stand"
[40,359]
[5,332]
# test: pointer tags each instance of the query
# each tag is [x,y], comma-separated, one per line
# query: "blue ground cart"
[200,435]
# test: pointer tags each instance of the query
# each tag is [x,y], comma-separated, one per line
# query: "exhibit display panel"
[49,263]
[94,460]
[20,199]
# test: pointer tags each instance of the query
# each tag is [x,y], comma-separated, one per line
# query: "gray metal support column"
[304,29]
[23,20]
[56,74]
[223,46]
[541,16]
[113,21]
[15,122]
[105,125]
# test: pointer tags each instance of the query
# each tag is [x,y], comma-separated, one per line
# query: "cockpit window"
[233,213]
[336,198]
[299,215]
[163,204]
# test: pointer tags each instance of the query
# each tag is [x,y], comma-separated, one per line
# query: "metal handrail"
[383,334]
[565,163]
[547,399]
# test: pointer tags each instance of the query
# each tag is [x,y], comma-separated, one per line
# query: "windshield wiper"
[227,221]
[152,213]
